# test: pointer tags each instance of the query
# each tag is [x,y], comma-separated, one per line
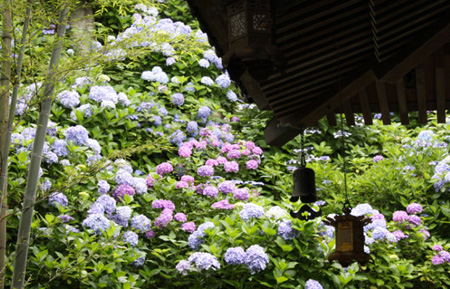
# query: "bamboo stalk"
[5,84]
[20,261]
[6,146]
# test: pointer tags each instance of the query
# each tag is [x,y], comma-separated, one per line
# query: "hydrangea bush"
[156,174]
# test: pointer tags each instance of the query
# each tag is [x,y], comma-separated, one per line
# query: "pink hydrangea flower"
[250,145]
[400,216]
[246,152]
[223,205]
[188,179]
[257,151]
[212,162]
[184,152]
[241,194]
[252,164]
[164,168]
[180,217]
[201,145]
[437,248]
[234,154]
[414,208]
[188,227]
[221,160]
[205,171]
[231,167]
[182,184]
[150,180]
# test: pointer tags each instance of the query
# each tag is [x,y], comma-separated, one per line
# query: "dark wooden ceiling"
[353,56]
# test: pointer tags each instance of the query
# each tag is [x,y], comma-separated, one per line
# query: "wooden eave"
[353,56]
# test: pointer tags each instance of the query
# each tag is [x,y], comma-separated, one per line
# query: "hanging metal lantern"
[349,238]
[251,45]
[304,188]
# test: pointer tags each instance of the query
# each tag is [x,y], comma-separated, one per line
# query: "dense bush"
[156,175]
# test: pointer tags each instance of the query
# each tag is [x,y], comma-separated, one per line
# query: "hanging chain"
[302,153]
[344,166]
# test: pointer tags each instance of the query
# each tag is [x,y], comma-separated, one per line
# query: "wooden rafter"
[365,107]
[277,135]
[439,60]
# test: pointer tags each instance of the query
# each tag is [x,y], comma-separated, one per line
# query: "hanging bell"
[304,185]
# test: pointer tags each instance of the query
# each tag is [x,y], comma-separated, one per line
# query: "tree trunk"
[20,260]
[82,25]
[5,83]
[5,146]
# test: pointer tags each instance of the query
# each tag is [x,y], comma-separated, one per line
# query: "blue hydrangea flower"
[139,261]
[131,238]
[313,284]
[235,256]
[192,128]
[203,63]
[78,134]
[163,111]
[183,266]
[80,81]
[103,187]
[96,222]
[102,93]
[362,209]
[140,185]
[223,81]
[94,145]
[177,137]
[123,99]
[206,80]
[51,128]
[58,198]
[190,87]
[156,74]
[195,239]
[50,157]
[122,216]
[68,99]
[379,233]
[124,178]
[46,185]
[96,208]
[231,95]
[204,112]
[204,261]
[108,203]
[170,61]
[141,223]
[251,210]
[286,232]
[59,147]
[256,259]
[178,99]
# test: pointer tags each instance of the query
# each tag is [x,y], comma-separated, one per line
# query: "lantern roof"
[354,56]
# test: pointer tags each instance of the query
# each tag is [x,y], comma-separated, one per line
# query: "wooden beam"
[402,103]
[365,107]
[276,134]
[447,72]
[331,117]
[254,90]
[383,102]
[347,108]
[439,60]
[328,102]
[421,94]
[393,69]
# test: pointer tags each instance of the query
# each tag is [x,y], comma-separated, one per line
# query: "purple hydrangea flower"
[414,220]
[234,154]
[204,261]
[164,218]
[131,238]
[235,256]
[180,217]
[379,233]
[204,112]
[400,235]
[241,194]
[66,218]
[96,208]
[123,190]
[378,158]
[231,95]
[227,187]
[437,248]
[256,259]
[78,134]
[414,208]
[425,233]
[141,223]
[445,255]
[205,171]
[102,93]
[188,227]
[149,234]
[96,222]
[437,260]
[192,128]
[251,210]
[210,191]
[58,198]
[195,239]
[164,168]
[163,204]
